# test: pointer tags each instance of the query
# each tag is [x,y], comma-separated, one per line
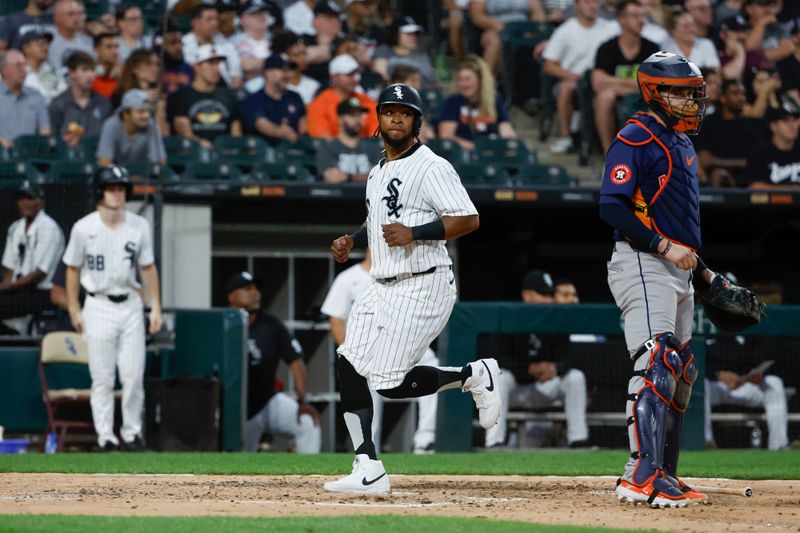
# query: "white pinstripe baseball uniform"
[338,303]
[409,300]
[113,315]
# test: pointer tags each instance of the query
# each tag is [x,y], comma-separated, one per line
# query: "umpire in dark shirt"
[269,342]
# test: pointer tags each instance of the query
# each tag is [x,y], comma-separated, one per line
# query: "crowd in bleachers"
[167,87]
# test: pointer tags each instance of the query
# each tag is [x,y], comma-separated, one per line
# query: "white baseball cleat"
[484,386]
[368,477]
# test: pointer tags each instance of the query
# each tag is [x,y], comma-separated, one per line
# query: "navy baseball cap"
[275,61]
[35,34]
[239,280]
[539,281]
[327,7]
[30,189]
[734,23]
[350,105]
[789,108]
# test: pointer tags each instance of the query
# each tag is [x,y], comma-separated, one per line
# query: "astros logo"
[621,174]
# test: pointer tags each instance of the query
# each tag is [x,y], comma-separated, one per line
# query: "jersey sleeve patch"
[620,174]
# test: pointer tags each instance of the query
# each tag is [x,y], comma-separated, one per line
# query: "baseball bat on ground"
[746,491]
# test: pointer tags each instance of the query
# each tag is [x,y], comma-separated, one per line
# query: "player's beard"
[397,143]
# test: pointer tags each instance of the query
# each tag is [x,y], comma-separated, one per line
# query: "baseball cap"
[539,281]
[343,64]
[253,7]
[788,108]
[30,189]
[734,23]
[275,61]
[349,105]
[408,25]
[35,34]
[327,7]
[135,99]
[239,280]
[206,52]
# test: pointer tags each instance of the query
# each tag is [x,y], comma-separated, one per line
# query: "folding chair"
[66,351]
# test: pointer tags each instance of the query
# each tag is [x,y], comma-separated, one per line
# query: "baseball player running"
[415,202]
[105,249]
[650,197]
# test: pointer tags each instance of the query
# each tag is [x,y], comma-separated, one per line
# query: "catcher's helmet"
[658,77]
[402,94]
[111,175]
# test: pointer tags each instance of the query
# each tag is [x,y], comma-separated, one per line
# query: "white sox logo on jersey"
[130,247]
[398,92]
[391,198]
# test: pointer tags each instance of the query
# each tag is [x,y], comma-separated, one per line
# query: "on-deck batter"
[415,202]
[104,252]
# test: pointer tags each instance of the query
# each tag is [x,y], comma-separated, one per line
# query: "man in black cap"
[775,162]
[765,32]
[349,157]
[42,76]
[268,343]
[734,56]
[15,25]
[34,245]
[545,379]
[275,113]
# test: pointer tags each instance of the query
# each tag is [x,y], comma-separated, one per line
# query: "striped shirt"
[416,189]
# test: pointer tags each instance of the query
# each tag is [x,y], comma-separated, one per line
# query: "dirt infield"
[580,501]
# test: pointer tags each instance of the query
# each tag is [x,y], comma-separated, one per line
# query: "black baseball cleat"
[109,446]
[136,445]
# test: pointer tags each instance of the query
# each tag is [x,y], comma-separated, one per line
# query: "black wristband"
[701,266]
[360,237]
[432,231]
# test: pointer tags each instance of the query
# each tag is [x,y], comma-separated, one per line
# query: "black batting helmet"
[111,175]
[402,94]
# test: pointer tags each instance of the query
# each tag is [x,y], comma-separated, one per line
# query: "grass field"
[736,464]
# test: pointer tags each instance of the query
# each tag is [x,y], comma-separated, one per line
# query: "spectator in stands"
[294,47]
[703,16]
[565,292]
[205,30]
[35,17]
[130,21]
[298,18]
[403,50]
[327,27]
[253,43]
[616,63]
[476,109]
[131,135]
[733,55]
[69,17]
[738,379]
[22,109]
[547,379]
[726,138]
[491,16]
[568,63]
[683,40]
[765,32]
[323,121]
[176,72]
[789,68]
[269,342]
[763,86]
[454,22]
[775,162]
[34,244]
[360,20]
[654,23]
[42,76]
[275,113]
[412,77]
[370,82]
[79,111]
[713,80]
[106,49]
[142,70]
[226,16]
[728,8]
[349,157]
[205,110]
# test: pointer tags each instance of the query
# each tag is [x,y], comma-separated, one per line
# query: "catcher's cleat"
[484,386]
[368,477]
[655,492]
[694,495]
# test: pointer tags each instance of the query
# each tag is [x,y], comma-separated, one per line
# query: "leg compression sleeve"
[680,401]
[357,407]
[425,380]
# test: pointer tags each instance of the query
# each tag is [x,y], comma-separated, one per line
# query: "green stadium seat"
[450,150]
[71,172]
[41,151]
[282,172]
[182,151]
[149,171]
[483,174]
[86,150]
[511,154]
[516,35]
[96,8]
[11,6]
[15,172]
[432,105]
[243,152]
[303,152]
[537,174]
[216,170]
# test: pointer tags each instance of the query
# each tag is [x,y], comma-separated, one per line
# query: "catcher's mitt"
[730,307]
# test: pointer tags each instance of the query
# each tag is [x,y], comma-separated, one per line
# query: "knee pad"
[657,368]
[683,387]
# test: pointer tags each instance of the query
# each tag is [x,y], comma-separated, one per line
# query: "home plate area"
[588,501]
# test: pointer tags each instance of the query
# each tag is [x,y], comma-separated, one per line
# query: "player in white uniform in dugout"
[105,250]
